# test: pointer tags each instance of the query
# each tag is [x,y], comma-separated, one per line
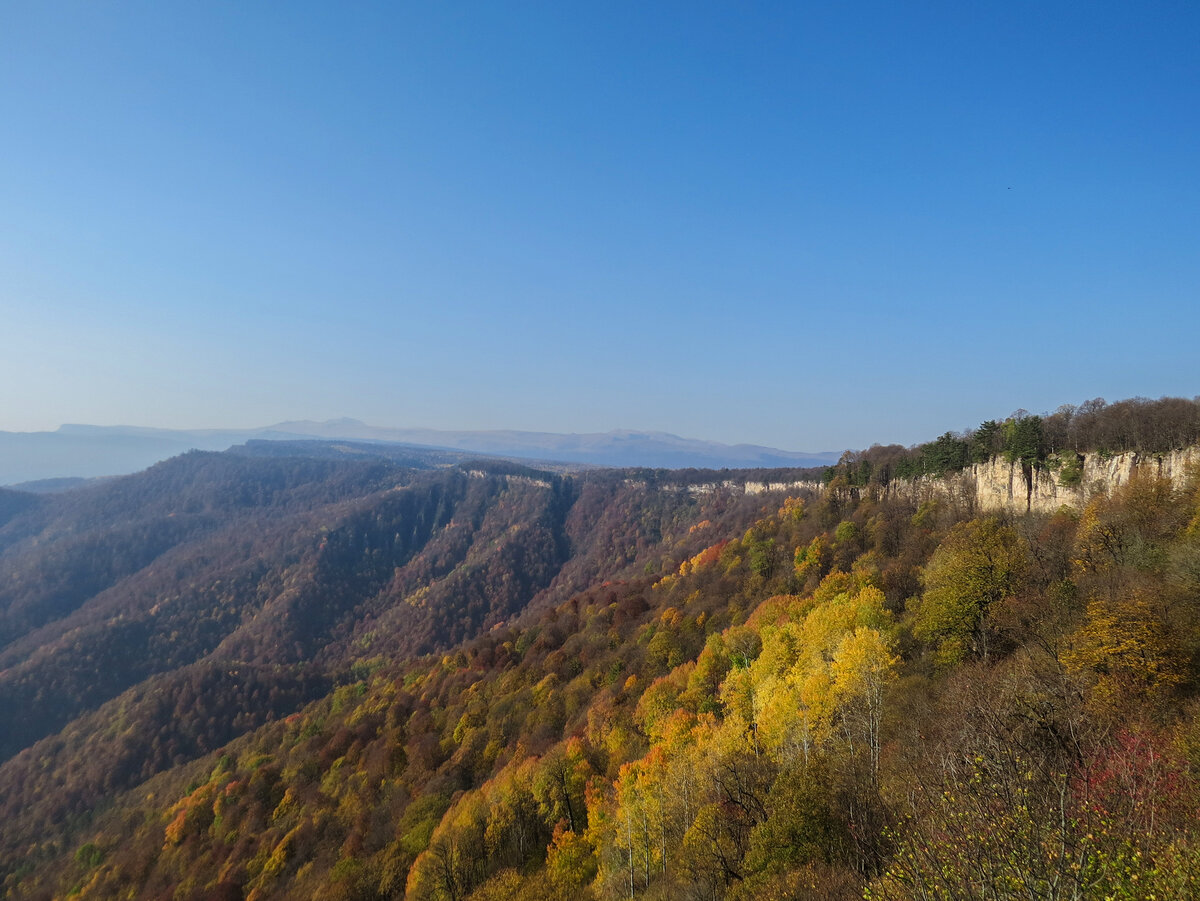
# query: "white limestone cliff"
[998,485]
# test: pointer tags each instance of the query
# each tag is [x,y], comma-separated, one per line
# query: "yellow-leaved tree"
[861,673]
[980,563]
[1128,647]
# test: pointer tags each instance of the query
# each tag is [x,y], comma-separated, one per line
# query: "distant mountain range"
[88,451]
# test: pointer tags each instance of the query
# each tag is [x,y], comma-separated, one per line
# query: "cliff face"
[1002,486]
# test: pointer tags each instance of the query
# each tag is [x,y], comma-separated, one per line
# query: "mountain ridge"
[354,670]
[79,450]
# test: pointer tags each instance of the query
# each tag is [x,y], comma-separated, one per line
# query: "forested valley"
[333,674]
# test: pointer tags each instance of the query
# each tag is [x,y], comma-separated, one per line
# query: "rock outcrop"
[998,485]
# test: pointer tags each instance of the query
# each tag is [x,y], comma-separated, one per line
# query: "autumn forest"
[339,673]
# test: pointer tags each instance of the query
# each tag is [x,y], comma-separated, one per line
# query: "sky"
[813,226]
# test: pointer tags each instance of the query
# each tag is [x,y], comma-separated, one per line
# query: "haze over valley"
[81,451]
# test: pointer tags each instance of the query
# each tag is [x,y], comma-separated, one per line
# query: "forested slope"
[649,688]
[156,617]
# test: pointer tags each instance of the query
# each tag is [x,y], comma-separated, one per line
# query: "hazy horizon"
[80,450]
[349,420]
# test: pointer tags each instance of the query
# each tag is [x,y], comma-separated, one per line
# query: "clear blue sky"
[813,226]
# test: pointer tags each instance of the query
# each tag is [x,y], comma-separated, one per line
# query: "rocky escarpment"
[1070,480]
[1000,486]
